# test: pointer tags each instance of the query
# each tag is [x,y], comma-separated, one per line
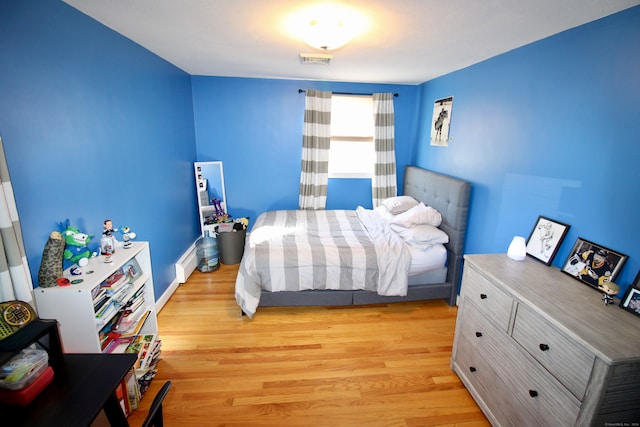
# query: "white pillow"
[421,234]
[419,214]
[399,204]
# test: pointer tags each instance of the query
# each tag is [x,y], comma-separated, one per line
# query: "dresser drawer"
[566,359]
[482,380]
[492,302]
[528,382]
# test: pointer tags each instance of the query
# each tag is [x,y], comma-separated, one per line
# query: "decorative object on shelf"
[108,241]
[593,264]
[51,264]
[545,239]
[631,299]
[132,270]
[609,290]
[127,236]
[517,249]
[76,248]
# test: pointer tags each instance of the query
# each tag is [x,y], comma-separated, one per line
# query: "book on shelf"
[117,278]
[136,326]
[97,293]
[133,390]
[107,309]
[145,347]
[118,344]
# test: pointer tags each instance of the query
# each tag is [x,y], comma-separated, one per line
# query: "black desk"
[83,384]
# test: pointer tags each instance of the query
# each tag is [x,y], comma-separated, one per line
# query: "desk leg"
[114,413]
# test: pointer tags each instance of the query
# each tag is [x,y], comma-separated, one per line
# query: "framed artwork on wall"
[441,121]
[593,264]
[545,239]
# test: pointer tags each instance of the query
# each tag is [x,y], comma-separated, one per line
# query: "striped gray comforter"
[294,250]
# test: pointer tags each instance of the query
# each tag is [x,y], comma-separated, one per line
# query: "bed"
[293,280]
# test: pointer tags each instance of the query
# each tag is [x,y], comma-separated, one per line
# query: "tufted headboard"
[450,196]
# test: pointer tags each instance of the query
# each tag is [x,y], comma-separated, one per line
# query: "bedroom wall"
[548,129]
[95,127]
[255,127]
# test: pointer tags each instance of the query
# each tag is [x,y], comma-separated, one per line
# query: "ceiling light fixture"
[327,34]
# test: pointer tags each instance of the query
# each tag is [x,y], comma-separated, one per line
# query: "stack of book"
[148,349]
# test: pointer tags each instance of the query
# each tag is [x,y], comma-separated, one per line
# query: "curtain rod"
[348,93]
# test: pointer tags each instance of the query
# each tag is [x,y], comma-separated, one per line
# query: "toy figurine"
[609,289]
[108,240]
[127,236]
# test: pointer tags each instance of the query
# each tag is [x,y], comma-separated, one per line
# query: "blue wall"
[255,127]
[548,129]
[94,127]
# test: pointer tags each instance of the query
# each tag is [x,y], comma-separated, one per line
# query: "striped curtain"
[15,279]
[316,141]
[383,183]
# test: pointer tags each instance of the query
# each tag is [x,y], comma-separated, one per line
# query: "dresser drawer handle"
[472,369]
[478,334]
[483,296]
[533,393]
[544,347]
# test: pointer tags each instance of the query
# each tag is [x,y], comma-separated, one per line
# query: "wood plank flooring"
[379,365]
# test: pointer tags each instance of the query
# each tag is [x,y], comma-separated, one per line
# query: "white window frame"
[351,125]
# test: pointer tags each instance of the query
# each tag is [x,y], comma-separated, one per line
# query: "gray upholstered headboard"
[450,196]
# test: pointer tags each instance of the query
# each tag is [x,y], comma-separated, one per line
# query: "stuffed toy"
[76,250]
[51,265]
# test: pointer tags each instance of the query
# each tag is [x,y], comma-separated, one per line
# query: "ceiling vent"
[315,58]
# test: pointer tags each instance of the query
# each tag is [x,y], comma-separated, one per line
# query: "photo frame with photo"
[132,269]
[545,239]
[631,299]
[593,264]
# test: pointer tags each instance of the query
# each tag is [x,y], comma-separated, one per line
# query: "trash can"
[207,254]
[231,245]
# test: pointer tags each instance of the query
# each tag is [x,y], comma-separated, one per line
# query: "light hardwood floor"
[383,365]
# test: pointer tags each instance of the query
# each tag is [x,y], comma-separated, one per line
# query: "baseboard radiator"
[186,264]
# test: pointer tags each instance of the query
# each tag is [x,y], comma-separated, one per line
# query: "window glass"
[352,152]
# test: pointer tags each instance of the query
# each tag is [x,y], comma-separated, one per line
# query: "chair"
[154,417]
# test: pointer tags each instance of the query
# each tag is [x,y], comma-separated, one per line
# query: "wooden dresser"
[536,347]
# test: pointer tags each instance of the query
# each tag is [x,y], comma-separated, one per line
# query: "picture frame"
[441,121]
[132,269]
[593,264]
[631,299]
[545,239]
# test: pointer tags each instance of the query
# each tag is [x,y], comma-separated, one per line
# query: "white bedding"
[428,259]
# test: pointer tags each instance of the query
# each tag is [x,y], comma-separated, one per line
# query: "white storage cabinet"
[72,306]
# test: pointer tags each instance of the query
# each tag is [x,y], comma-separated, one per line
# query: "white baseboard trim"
[160,302]
[184,267]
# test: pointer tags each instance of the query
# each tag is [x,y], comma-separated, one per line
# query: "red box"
[24,396]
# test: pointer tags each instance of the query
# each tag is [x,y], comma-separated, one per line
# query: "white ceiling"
[406,42]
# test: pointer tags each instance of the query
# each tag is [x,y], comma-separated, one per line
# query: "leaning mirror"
[212,200]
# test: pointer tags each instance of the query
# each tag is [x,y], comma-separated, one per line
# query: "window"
[352,153]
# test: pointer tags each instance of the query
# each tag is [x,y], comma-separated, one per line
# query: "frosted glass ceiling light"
[327,34]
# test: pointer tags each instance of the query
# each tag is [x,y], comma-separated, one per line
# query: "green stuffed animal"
[76,250]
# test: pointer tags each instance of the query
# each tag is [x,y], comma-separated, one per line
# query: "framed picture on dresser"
[631,299]
[593,264]
[545,239]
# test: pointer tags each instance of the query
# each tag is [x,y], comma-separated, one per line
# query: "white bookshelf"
[73,306]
